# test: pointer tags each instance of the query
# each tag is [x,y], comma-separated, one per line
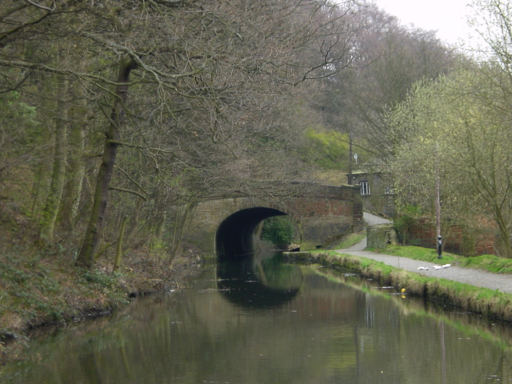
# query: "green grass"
[489,263]
[418,253]
[343,243]
[350,240]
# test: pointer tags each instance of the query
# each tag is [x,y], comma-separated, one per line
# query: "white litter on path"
[436,267]
[494,281]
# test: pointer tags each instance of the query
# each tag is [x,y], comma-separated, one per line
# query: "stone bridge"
[225,224]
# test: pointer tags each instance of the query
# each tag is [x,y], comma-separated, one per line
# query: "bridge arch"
[225,225]
[234,235]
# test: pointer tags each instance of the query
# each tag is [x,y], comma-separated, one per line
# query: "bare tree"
[180,98]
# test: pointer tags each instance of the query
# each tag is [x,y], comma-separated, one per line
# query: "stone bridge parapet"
[225,223]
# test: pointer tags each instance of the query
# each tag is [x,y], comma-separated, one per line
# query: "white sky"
[447,17]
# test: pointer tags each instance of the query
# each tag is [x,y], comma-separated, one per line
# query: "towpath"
[478,278]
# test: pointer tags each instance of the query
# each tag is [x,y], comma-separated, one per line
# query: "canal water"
[268,322]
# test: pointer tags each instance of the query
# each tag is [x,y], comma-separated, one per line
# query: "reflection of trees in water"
[329,333]
[274,274]
[258,283]
[369,312]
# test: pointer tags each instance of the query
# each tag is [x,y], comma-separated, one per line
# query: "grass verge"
[343,243]
[349,240]
[492,304]
[489,263]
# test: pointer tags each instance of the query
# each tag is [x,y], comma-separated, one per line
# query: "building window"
[365,188]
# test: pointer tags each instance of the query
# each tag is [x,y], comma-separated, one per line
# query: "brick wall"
[457,239]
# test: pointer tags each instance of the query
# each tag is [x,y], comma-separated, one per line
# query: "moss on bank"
[493,304]
[39,288]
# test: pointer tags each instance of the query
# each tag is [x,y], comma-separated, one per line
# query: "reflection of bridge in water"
[225,224]
[258,284]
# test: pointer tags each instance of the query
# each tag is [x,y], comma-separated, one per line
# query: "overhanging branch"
[130,191]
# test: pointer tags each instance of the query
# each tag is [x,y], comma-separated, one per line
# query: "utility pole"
[439,239]
[350,156]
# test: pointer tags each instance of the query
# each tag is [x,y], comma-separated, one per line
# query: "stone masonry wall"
[320,218]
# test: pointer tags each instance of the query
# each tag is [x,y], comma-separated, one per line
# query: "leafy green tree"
[454,132]
[279,230]
[419,166]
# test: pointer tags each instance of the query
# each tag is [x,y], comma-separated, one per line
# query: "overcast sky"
[447,17]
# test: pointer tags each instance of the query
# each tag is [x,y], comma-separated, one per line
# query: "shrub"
[278,229]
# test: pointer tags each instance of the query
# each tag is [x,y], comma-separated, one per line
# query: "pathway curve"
[374,220]
[478,278]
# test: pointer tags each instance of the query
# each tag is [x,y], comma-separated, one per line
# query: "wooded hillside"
[112,112]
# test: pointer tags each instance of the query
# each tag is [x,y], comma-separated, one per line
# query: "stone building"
[376,191]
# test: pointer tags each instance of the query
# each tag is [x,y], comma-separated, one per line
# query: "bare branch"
[130,191]
[131,179]
[40,6]
[46,68]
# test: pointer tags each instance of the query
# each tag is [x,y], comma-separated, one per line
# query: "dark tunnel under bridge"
[225,225]
[234,237]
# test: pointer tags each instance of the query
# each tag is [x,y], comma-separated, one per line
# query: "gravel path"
[470,276]
[374,220]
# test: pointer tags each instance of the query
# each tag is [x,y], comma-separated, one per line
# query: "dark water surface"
[277,324]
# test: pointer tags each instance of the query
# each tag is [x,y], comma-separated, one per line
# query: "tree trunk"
[504,233]
[156,242]
[53,201]
[76,174]
[180,223]
[112,135]
[37,187]
[119,250]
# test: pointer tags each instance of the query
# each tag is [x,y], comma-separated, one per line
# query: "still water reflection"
[272,323]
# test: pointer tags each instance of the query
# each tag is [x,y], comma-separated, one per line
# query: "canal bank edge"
[492,304]
[78,295]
